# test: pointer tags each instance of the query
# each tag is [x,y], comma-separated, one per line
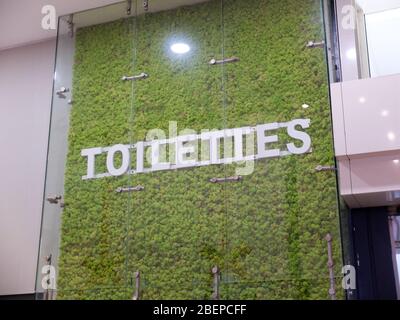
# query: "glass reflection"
[180,48]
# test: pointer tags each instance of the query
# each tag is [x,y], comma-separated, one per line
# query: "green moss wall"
[266,233]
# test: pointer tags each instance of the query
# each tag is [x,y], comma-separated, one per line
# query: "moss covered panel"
[266,233]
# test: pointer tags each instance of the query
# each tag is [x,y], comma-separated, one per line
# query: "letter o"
[125,160]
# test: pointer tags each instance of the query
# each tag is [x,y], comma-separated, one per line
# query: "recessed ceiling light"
[396,161]
[180,48]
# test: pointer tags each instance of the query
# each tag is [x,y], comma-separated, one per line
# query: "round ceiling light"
[180,48]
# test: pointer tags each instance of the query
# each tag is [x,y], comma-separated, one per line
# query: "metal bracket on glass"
[129,189]
[216,280]
[128,7]
[227,60]
[325,168]
[134,78]
[61,92]
[312,44]
[48,294]
[136,296]
[70,23]
[227,179]
[48,259]
[146,5]
[332,289]
[54,200]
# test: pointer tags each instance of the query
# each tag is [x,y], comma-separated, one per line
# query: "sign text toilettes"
[195,150]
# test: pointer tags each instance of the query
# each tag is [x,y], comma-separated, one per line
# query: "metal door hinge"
[133,78]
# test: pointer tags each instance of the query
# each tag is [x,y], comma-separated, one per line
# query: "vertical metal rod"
[216,280]
[332,289]
[136,296]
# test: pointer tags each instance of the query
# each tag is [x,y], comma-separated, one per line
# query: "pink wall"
[366,121]
[26,76]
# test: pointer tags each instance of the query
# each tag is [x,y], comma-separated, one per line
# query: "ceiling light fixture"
[180,48]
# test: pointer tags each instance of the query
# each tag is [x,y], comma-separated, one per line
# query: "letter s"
[299,135]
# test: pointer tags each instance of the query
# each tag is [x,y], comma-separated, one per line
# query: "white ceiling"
[20,20]
[370,6]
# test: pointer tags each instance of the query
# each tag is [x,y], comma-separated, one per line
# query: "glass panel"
[282,210]
[176,222]
[377,25]
[167,170]
[56,160]
[89,260]
[382,33]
